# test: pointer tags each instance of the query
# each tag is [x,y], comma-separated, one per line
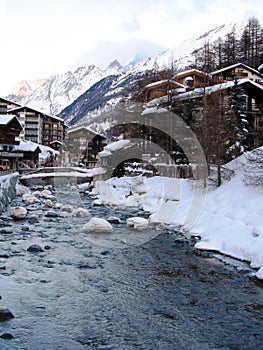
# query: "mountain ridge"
[60,91]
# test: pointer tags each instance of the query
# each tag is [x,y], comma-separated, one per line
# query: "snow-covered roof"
[189,78]
[9,101]
[5,119]
[35,110]
[156,83]
[74,129]
[47,149]
[29,146]
[26,146]
[190,71]
[78,128]
[210,89]
[235,66]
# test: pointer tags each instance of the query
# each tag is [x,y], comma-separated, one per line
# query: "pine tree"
[251,43]
[238,101]
[230,48]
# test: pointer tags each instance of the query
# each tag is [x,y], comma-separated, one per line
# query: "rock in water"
[18,213]
[98,225]
[137,222]
[5,314]
[80,212]
[6,336]
[114,220]
[67,208]
[35,248]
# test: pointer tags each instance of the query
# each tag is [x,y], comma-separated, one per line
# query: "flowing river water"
[76,294]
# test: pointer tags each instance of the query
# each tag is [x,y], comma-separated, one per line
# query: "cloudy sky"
[39,37]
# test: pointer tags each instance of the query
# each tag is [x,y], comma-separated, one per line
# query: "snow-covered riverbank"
[228,219]
[7,189]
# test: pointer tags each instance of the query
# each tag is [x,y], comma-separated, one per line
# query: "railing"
[6,172]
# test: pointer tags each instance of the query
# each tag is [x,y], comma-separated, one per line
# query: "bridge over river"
[57,176]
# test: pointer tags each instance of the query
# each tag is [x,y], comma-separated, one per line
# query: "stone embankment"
[7,189]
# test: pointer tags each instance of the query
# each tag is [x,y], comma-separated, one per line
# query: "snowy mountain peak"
[114,68]
[24,87]
[60,90]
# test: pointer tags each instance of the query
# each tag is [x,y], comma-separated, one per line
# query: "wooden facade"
[193,78]
[9,130]
[161,88]
[237,71]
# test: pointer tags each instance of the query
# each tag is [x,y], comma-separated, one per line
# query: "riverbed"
[80,292]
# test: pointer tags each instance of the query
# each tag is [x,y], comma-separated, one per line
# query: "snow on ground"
[229,219]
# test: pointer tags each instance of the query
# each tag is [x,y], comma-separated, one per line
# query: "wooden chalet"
[9,130]
[193,78]
[161,88]
[82,146]
[237,71]
[31,151]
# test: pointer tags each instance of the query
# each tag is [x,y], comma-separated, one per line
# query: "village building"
[161,88]
[82,146]
[7,105]
[54,130]
[254,105]
[31,151]
[193,78]
[237,71]
[9,130]
[39,127]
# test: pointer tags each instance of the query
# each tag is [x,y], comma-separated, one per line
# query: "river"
[77,294]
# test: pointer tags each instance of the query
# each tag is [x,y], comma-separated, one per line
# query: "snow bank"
[230,221]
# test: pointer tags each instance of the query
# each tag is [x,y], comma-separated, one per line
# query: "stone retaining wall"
[7,189]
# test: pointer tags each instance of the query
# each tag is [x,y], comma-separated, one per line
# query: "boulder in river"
[80,212]
[35,248]
[5,314]
[114,220]
[18,213]
[137,222]
[51,214]
[6,336]
[67,208]
[98,225]
[29,198]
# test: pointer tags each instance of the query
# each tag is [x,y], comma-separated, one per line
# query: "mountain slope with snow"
[60,90]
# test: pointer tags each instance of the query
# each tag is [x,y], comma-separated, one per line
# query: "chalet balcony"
[237,74]
[11,155]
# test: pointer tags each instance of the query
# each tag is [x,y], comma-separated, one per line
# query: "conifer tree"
[238,101]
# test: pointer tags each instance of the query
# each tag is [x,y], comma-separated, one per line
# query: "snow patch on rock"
[98,225]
